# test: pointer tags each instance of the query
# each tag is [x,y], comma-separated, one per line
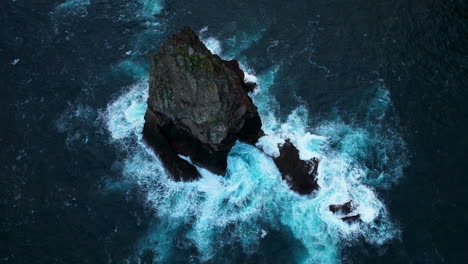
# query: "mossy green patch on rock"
[197,62]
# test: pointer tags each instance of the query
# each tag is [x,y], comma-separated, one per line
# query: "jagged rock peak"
[198,105]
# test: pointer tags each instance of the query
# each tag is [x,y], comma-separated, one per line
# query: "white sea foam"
[213,45]
[127,110]
[252,199]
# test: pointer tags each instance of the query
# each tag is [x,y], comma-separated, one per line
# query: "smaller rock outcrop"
[352,219]
[345,209]
[301,175]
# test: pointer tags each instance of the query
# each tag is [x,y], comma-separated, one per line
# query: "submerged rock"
[301,175]
[198,107]
[352,219]
[346,209]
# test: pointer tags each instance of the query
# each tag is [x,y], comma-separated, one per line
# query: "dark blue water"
[377,89]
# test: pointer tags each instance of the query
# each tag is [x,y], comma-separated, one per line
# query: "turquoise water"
[252,200]
[252,203]
[367,87]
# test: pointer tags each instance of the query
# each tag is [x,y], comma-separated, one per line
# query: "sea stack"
[301,175]
[198,107]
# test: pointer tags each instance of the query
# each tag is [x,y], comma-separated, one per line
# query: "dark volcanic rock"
[301,175]
[352,219]
[177,167]
[198,105]
[234,66]
[345,208]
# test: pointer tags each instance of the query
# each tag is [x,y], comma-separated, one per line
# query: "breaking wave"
[252,204]
[216,218]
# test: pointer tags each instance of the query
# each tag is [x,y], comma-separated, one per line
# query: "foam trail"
[251,200]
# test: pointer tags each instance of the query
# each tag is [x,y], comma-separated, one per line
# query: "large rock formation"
[197,107]
[301,175]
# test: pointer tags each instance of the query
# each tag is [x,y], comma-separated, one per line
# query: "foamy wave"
[251,199]
[213,45]
[124,115]
[252,202]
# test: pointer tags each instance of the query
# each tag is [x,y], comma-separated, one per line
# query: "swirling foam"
[251,201]
[251,204]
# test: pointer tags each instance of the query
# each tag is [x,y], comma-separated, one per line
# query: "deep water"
[374,89]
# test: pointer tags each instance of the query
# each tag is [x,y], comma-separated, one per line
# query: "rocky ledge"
[198,107]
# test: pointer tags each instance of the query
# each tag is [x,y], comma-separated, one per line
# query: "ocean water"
[346,83]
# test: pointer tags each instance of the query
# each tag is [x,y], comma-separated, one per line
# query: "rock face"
[301,175]
[197,107]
